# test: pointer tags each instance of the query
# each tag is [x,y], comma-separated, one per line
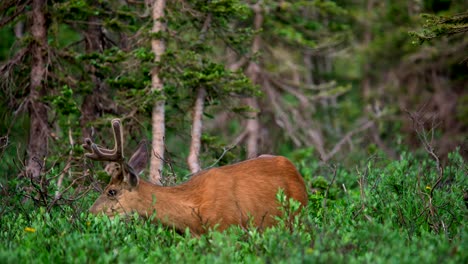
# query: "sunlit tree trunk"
[197,125]
[38,131]
[158,131]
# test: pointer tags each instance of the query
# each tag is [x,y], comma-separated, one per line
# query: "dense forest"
[367,98]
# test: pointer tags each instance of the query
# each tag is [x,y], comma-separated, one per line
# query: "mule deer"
[240,194]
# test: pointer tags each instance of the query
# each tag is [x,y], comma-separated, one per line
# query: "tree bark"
[90,107]
[19,29]
[38,134]
[253,72]
[197,126]
[252,129]
[366,87]
[158,130]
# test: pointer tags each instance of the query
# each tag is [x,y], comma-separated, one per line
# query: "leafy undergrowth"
[402,211]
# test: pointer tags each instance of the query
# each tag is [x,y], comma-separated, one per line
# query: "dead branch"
[281,117]
[6,68]
[346,138]
[426,138]
[303,99]
[19,10]
[327,191]
[67,164]
[239,64]
[239,138]
[225,150]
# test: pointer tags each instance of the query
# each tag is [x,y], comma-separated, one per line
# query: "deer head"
[124,176]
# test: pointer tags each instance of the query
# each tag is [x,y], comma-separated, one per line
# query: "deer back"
[246,192]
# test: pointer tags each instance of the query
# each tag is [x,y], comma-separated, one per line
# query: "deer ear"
[139,159]
[130,177]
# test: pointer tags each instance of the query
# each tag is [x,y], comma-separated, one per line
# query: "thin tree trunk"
[309,76]
[366,89]
[38,134]
[90,106]
[197,126]
[19,29]
[158,47]
[253,130]
[253,72]
[193,159]
[124,42]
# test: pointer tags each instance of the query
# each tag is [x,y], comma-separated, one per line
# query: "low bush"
[403,211]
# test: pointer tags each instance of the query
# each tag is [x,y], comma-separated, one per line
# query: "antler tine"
[118,138]
[101,153]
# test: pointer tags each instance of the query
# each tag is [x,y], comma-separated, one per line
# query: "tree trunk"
[193,159]
[158,47]
[366,86]
[19,29]
[253,129]
[90,107]
[195,145]
[253,72]
[38,134]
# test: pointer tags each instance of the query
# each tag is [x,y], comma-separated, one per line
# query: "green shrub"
[403,211]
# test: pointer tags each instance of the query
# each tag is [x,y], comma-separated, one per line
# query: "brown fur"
[224,196]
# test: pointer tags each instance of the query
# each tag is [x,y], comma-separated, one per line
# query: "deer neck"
[173,206]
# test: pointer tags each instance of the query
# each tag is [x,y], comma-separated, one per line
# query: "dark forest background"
[339,80]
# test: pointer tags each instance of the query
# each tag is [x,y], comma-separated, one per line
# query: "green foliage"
[223,9]
[287,23]
[462,110]
[436,26]
[64,103]
[7,41]
[398,214]
[217,79]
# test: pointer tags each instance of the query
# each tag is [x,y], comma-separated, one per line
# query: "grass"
[403,211]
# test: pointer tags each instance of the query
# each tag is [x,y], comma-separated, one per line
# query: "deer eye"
[112,193]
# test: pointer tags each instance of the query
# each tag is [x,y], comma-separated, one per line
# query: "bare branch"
[17,58]
[281,117]
[67,165]
[19,10]
[418,126]
[239,64]
[346,138]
